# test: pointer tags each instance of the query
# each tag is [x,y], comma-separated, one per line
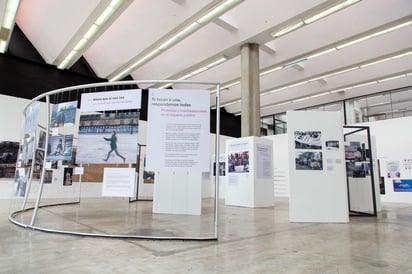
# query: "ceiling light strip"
[195,25]
[9,19]
[91,33]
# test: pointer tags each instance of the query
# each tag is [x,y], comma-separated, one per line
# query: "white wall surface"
[393,141]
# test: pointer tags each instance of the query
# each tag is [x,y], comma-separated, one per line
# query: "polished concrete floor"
[259,240]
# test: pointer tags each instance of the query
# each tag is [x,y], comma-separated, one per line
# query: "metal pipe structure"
[109,84]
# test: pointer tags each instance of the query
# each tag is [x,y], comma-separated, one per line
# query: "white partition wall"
[318,191]
[178,193]
[249,172]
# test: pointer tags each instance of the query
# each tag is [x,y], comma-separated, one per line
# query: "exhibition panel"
[91,136]
[318,191]
[250,172]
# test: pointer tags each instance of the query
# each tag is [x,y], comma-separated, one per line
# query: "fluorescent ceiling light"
[329,11]
[298,84]
[288,29]
[270,70]
[375,62]
[10,13]
[187,30]
[165,86]
[91,32]
[217,62]
[391,29]
[392,78]
[3,45]
[366,37]
[320,53]
[108,12]
[218,11]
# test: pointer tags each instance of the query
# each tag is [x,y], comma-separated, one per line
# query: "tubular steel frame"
[35,209]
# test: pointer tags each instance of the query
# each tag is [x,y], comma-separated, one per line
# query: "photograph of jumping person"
[113,146]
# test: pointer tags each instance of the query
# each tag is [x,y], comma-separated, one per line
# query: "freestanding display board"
[359,172]
[318,190]
[249,172]
[178,148]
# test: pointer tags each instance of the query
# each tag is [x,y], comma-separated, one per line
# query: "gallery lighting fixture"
[7,24]
[313,18]
[375,34]
[198,70]
[332,74]
[101,20]
[180,35]
[347,88]
[329,11]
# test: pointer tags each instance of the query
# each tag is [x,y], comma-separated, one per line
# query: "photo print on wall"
[108,138]
[59,148]
[308,140]
[308,160]
[238,162]
[332,145]
[64,114]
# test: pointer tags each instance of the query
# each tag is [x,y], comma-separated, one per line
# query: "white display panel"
[178,193]
[119,182]
[318,191]
[111,100]
[178,130]
[244,186]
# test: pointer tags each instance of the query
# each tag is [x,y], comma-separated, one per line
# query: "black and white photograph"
[308,140]
[222,169]
[31,118]
[8,152]
[148,176]
[308,160]
[42,139]
[60,147]
[64,114]
[332,145]
[68,176]
[108,138]
[48,177]
[20,180]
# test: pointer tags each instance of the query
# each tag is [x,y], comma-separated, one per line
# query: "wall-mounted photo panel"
[108,138]
[178,130]
[308,160]
[59,147]
[64,114]
[308,139]
[318,187]
[392,168]
[31,118]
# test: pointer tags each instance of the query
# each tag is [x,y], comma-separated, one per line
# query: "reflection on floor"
[259,240]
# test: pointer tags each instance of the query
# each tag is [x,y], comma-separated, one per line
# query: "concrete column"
[250,87]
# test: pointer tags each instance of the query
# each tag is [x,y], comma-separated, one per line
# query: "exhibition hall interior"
[205,136]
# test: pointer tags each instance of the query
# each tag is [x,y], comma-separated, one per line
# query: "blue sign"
[402,185]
